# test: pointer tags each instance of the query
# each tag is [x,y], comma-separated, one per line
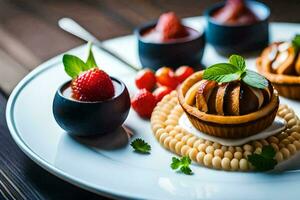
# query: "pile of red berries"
[154,86]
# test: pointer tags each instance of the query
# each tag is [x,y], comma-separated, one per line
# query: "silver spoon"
[71,26]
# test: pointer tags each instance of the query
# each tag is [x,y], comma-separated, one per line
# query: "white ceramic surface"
[121,172]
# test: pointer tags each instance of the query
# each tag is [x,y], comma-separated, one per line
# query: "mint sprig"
[296,42]
[140,146]
[265,160]
[238,61]
[254,79]
[182,164]
[235,70]
[222,73]
[74,65]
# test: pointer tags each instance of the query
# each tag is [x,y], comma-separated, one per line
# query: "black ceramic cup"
[183,51]
[81,118]
[230,39]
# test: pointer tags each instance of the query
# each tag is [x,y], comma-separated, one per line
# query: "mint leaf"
[235,70]
[186,160]
[140,146]
[268,151]
[73,65]
[238,61]
[254,79]
[175,163]
[186,170]
[90,63]
[182,164]
[296,42]
[222,72]
[264,161]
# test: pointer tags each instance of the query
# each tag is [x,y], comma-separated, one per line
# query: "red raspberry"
[170,26]
[93,85]
[145,79]
[143,103]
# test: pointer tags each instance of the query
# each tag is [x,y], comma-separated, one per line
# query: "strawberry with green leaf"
[89,83]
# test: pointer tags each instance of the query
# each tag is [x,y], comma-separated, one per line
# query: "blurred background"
[29,33]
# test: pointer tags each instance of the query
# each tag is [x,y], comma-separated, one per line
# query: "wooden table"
[29,35]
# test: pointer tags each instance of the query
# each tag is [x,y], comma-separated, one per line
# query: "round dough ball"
[216,162]
[234,164]
[243,164]
[207,160]
[210,149]
[225,163]
[200,157]
[228,155]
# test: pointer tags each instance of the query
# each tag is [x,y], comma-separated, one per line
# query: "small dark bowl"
[183,51]
[245,38]
[81,118]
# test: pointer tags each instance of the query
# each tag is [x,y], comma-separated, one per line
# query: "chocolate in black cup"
[183,51]
[239,38]
[82,118]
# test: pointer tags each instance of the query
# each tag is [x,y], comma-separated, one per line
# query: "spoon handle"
[71,26]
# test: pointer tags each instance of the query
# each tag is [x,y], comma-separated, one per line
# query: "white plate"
[121,172]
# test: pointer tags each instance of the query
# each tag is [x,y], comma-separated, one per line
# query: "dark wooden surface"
[29,35]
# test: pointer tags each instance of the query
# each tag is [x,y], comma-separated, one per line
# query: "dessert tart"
[230,106]
[168,132]
[280,63]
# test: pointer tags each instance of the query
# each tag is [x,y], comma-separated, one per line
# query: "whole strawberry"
[89,83]
[143,103]
[93,85]
[145,79]
[165,76]
[169,25]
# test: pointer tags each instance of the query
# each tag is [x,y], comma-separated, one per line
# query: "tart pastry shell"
[227,126]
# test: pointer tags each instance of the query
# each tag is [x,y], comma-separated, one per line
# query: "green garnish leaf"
[175,163]
[265,160]
[255,80]
[141,146]
[238,61]
[296,42]
[91,62]
[186,170]
[235,70]
[182,164]
[73,65]
[222,72]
